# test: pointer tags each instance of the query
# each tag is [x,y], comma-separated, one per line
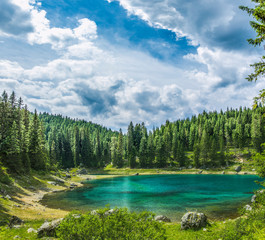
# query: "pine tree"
[120,161]
[130,146]
[143,153]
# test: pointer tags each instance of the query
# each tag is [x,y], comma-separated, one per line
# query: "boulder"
[60,181]
[32,230]
[94,212]
[200,172]
[7,197]
[193,220]
[52,183]
[223,172]
[82,171]
[15,221]
[136,174]
[238,169]
[248,208]
[162,218]
[73,185]
[253,199]
[48,229]
[111,211]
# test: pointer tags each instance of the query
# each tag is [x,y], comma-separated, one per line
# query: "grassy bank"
[25,192]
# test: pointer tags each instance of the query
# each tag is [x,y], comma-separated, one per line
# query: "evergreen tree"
[130,146]
[120,151]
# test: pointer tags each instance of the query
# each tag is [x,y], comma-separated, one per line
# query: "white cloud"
[112,85]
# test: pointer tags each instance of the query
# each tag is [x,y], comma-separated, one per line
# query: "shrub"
[118,224]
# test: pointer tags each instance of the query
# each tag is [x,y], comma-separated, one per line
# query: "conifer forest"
[42,141]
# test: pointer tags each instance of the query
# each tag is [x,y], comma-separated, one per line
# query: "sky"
[116,61]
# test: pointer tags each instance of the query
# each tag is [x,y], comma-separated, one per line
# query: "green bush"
[4,177]
[118,225]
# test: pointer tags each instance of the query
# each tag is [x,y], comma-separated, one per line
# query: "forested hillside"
[44,141]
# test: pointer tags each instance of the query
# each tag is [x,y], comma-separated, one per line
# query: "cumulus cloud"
[113,85]
[217,23]
[13,19]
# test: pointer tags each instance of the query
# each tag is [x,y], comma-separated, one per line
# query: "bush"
[118,224]
[4,177]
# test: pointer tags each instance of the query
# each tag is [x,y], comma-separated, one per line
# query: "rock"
[48,229]
[7,197]
[248,207]
[162,218]
[52,183]
[16,237]
[190,167]
[253,169]
[223,172]
[32,230]
[60,181]
[94,212]
[73,185]
[82,171]
[136,174]
[193,220]
[245,173]
[14,221]
[16,226]
[200,172]
[253,199]
[111,211]
[238,169]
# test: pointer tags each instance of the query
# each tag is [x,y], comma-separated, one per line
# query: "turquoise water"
[219,196]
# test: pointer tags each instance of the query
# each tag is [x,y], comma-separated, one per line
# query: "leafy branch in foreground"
[258,13]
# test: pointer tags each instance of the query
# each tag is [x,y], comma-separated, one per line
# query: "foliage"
[258,13]
[117,225]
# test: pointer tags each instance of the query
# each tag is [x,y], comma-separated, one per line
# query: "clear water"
[219,196]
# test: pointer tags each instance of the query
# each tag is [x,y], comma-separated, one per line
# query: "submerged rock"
[48,229]
[162,218]
[193,220]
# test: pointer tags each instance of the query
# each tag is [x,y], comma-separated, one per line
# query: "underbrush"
[115,224]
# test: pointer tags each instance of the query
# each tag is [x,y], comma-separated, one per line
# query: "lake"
[219,196]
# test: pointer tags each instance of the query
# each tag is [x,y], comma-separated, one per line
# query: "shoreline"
[28,206]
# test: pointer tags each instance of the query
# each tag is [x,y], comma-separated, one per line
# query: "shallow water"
[219,196]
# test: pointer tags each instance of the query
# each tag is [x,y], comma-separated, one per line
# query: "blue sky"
[113,61]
